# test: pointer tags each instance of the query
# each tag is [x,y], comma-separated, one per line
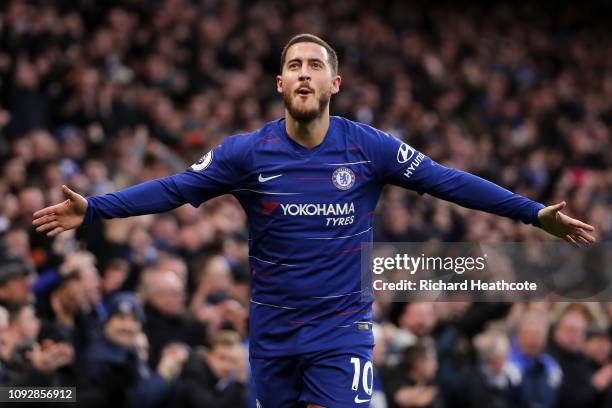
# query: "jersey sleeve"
[401,165]
[216,173]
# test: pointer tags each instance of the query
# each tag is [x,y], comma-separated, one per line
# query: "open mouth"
[303,91]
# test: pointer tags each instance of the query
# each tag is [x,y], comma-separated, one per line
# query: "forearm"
[473,192]
[150,197]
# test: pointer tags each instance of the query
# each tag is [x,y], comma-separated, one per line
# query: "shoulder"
[239,141]
[235,150]
[356,128]
[365,135]
[245,142]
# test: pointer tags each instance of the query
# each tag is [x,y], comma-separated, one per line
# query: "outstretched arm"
[216,173]
[474,192]
[404,166]
[150,197]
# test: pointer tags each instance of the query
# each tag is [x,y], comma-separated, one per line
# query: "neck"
[308,134]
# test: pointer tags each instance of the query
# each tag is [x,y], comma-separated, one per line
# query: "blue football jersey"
[309,211]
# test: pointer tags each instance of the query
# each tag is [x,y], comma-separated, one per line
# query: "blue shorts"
[335,378]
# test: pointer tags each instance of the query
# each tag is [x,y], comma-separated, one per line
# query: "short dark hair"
[228,338]
[332,57]
[412,354]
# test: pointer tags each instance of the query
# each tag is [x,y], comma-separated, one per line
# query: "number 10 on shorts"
[367,379]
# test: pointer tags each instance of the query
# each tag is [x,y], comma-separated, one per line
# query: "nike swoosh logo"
[360,401]
[263,179]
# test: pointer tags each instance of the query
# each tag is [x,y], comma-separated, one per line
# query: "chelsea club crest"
[343,178]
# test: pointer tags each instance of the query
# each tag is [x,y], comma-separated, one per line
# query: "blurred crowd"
[152,311]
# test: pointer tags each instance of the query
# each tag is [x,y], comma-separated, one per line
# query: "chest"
[332,188]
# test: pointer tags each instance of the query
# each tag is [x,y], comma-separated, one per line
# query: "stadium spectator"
[540,374]
[68,299]
[415,321]
[23,327]
[412,382]
[495,382]
[213,278]
[113,363]
[583,385]
[28,363]
[215,377]
[167,321]
[458,324]
[212,303]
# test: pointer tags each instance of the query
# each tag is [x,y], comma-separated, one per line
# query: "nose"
[304,74]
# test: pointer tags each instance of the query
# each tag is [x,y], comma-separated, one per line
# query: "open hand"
[560,225]
[61,217]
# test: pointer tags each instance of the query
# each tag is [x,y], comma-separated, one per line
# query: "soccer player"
[309,184]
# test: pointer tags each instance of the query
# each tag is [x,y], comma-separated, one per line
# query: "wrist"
[537,211]
[89,211]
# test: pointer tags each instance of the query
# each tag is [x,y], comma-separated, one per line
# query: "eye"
[317,65]
[293,65]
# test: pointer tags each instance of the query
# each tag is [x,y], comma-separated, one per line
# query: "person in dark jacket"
[583,384]
[25,361]
[113,361]
[411,383]
[598,349]
[167,318]
[214,378]
[495,381]
[69,299]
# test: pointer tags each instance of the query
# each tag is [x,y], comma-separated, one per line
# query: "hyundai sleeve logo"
[404,153]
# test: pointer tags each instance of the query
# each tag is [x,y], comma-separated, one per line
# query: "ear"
[336,84]
[279,84]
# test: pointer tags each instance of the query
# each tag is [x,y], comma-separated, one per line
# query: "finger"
[44,219]
[47,226]
[69,193]
[580,224]
[582,240]
[56,231]
[569,239]
[591,239]
[558,206]
[579,241]
[48,210]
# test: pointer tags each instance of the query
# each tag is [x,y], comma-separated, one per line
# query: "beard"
[303,114]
